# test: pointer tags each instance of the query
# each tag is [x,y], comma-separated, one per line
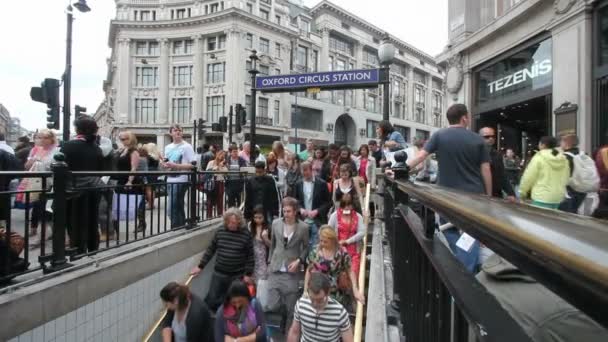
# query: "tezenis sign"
[537,69]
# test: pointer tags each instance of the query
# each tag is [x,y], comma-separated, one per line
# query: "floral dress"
[260,253]
[341,262]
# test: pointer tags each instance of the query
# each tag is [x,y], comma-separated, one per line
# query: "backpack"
[208,182]
[585,177]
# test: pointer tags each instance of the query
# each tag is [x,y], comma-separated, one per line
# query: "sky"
[33,34]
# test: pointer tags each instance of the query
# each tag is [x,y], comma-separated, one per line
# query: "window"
[437,102]
[302,56]
[304,26]
[221,42]
[315,60]
[145,15]
[211,43]
[370,57]
[262,107]
[264,70]
[249,43]
[216,73]
[370,102]
[277,19]
[264,45]
[182,109]
[215,108]
[341,45]
[277,71]
[182,47]
[179,14]
[147,48]
[249,8]
[277,50]
[405,132]
[419,94]
[146,76]
[264,14]
[398,69]
[330,67]
[146,110]
[216,43]
[437,120]
[182,76]
[340,65]
[397,109]
[313,118]
[214,8]
[277,112]
[436,84]
[397,89]
[419,77]
[371,128]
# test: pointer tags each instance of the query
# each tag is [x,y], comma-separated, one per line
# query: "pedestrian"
[207,156]
[260,230]
[179,156]
[273,169]
[512,167]
[8,162]
[293,175]
[584,177]
[261,189]
[4,146]
[330,164]
[188,318]
[545,179]
[345,157]
[314,201]
[23,149]
[154,158]
[318,316]
[347,184]
[366,166]
[246,152]
[240,318]
[350,228]
[390,139]
[375,151]
[234,183]
[199,155]
[500,182]
[215,186]
[309,153]
[601,162]
[317,162]
[288,250]
[126,185]
[40,159]
[279,152]
[464,164]
[83,154]
[333,260]
[232,246]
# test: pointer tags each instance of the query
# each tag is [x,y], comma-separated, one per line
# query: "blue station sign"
[366,78]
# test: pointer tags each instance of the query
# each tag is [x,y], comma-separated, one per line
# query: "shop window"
[313,121]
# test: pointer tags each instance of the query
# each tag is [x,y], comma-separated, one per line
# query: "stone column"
[359,93]
[199,70]
[323,60]
[410,106]
[124,84]
[163,98]
[235,69]
[428,100]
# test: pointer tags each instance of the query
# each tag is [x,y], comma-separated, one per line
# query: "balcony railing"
[263,120]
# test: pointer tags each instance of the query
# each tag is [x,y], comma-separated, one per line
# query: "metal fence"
[82,213]
[439,300]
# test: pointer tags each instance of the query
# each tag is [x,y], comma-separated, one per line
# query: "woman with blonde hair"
[334,261]
[215,196]
[279,151]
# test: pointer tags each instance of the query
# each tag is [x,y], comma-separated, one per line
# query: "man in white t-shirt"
[179,156]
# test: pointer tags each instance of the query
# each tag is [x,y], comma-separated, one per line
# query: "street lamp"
[253,72]
[81,6]
[386,53]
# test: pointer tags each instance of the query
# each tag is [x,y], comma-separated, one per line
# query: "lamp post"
[81,6]
[386,53]
[253,72]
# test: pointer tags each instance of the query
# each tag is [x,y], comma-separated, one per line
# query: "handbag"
[31,185]
[16,242]
[343,282]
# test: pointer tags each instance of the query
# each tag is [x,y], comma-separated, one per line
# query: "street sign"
[348,79]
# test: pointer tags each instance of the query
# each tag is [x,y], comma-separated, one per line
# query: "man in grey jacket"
[543,315]
[288,252]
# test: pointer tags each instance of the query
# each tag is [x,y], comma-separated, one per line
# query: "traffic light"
[79,111]
[48,93]
[223,124]
[201,128]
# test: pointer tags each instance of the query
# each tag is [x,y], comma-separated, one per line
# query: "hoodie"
[546,177]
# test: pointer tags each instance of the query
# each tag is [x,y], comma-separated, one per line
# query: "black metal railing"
[439,300]
[87,212]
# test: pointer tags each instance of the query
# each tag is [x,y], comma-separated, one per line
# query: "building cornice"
[340,12]
[231,13]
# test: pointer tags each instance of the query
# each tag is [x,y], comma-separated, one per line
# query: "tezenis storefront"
[513,93]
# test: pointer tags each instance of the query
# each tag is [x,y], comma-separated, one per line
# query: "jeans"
[313,234]
[177,191]
[469,259]
[571,204]
[217,290]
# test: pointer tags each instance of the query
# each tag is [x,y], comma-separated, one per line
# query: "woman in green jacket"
[546,177]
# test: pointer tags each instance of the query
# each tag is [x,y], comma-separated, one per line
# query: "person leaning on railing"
[188,318]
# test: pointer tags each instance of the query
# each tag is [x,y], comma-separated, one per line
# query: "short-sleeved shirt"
[327,325]
[181,153]
[460,153]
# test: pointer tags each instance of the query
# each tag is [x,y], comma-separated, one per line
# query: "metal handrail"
[566,253]
[362,267]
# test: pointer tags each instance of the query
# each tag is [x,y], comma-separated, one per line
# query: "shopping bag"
[124,206]
[263,288]
[31,185]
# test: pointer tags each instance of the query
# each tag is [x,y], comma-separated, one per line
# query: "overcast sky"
[33,44]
